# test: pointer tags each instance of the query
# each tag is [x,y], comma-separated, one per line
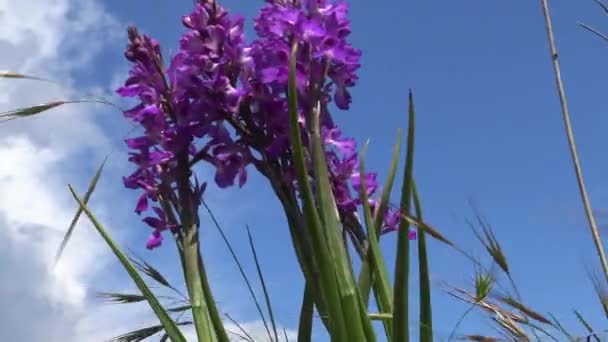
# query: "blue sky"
[489,129]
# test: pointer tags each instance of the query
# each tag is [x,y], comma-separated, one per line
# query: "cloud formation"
[59,40]
[53,39]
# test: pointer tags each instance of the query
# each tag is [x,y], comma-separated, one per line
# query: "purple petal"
[155,240]
[139,142]
[142,204]
[155,223]
[342,98]
[242,176]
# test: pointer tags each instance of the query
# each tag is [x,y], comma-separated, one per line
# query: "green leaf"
[264,288]
[238,264]
[355,317]
[375,260]
[168,324]
[87,196]
[388,186]
[328,293]
[306,314]
[402,265]
[426,315]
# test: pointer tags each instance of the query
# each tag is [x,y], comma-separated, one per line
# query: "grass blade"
[594,31]
[246,335]
[560,327]
[602,5]
[87,196]
[239,265]
[402,264]
[264,288]
[586,325]
[366,278]
[168,324]
[388,186]
[426,314]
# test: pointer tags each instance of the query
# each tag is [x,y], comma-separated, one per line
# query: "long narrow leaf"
[366,276]
[376,262]
[87,196]
[561,328]
[239,265]
[402,265]
[594,31]
[306,313]
[586,324]
[355,316]
[214,315]
[168,324]
[388,186]
[329,292]
[264,288]
[426,314]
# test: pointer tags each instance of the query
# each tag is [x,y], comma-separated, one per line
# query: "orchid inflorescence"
[223,101]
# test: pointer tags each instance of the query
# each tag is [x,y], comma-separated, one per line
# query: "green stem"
[200,311]
[214,314]
[306,312]
[426,315]
[193,276]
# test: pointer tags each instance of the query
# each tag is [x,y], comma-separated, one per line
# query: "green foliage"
[331,287]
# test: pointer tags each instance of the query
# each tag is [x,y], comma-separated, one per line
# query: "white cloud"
[54,39]
[255,329]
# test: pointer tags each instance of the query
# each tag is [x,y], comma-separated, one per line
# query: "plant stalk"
[571,142]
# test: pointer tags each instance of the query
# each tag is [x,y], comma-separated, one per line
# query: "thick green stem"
[216,319]
[200,311]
